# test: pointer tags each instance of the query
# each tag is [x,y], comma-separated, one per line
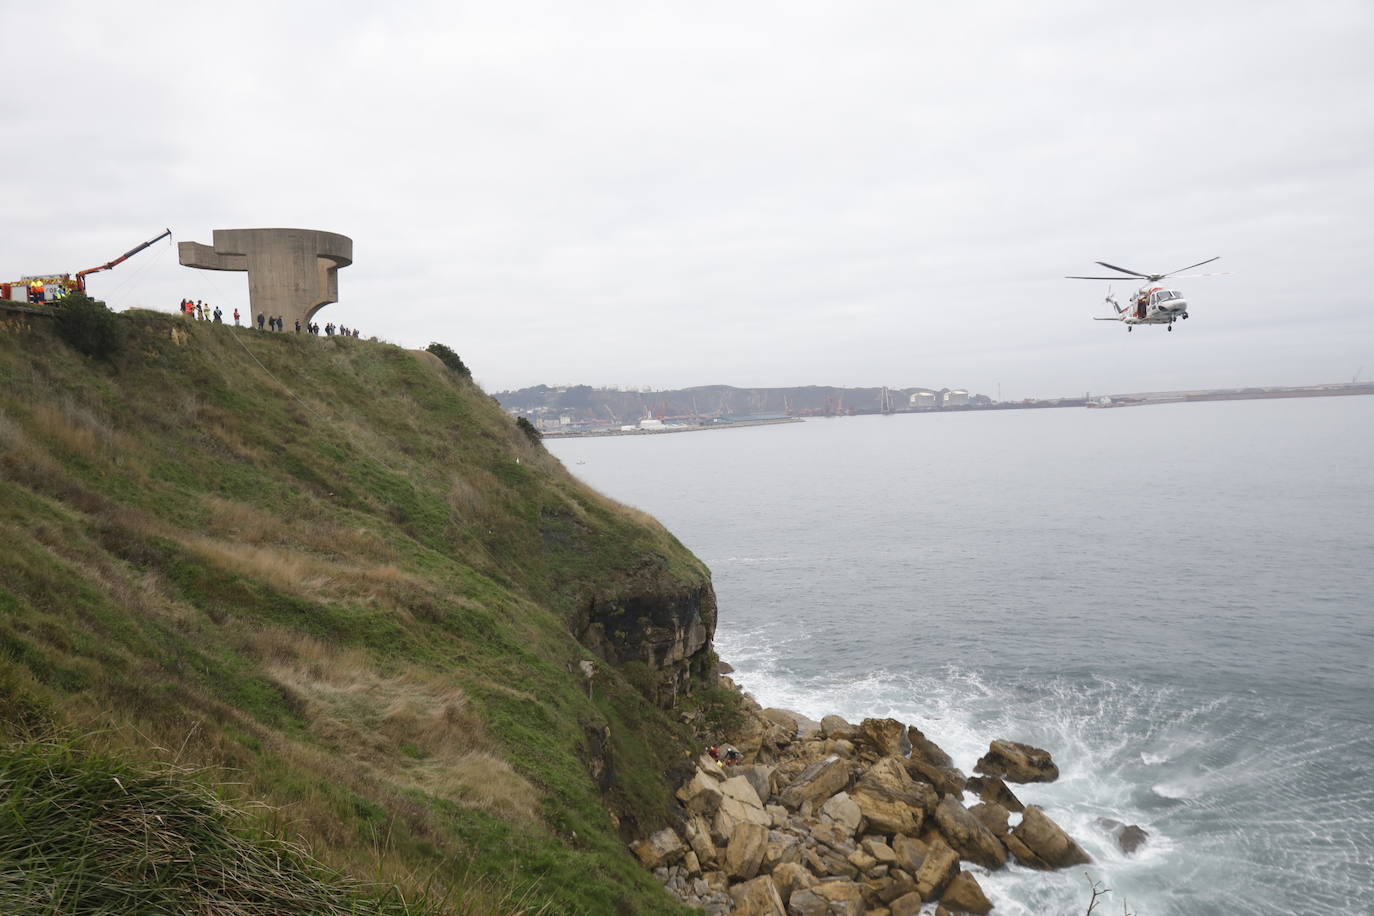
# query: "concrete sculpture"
[291,272]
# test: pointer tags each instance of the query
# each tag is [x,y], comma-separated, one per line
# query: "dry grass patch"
[417,728]
[304,574]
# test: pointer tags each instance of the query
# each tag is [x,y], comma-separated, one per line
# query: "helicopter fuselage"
[1153,305]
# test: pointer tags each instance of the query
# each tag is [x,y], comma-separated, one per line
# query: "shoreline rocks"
[835,818]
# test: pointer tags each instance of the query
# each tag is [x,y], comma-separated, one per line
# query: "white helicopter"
[1150,304]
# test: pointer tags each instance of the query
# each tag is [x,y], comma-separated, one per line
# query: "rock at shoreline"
[994,791]
[1128,838]
[940,865]
[1047,840]
[836,727]
[922,748]
[801,726]
[851,820]
[964,895]
[968,836]
[910,852]
[882,738]
[994,817]
[1016,762]
[818,781]
[891,800]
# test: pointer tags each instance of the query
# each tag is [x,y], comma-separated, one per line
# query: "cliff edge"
[332,576]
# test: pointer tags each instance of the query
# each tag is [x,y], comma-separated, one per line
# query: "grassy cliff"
[331,577]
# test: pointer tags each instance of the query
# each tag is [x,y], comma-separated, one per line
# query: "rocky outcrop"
[846,819]
[1017,762]
[657,619]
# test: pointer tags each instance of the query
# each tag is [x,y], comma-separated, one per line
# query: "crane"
[40,288]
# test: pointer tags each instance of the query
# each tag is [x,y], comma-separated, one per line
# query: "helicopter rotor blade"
[1134,273]
[1097,278]
[1181,269]
[1224,273]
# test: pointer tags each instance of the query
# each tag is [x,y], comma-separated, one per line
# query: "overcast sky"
[756,194]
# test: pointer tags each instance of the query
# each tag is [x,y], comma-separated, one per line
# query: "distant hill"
[585,404]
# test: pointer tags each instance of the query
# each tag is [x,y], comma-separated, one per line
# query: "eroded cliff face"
[659,621]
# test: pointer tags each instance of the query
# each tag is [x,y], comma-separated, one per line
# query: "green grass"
[224,559]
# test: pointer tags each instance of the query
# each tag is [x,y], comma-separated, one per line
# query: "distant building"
[650,424]
[956,398]
[922,398]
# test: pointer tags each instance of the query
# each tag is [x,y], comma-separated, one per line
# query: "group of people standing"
[202,312]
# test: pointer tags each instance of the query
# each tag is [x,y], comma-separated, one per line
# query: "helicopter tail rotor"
[1111,300]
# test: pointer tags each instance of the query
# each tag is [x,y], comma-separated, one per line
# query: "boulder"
[883,738]
[692,862]
[1047,840]
[843,811]
[922,748]
[757,898]
[994,791]
[744,853]
[907,905]
[1128,838]
[891,800]
[968,836]
[963,895]
[947,780]
[660,849]
[910,853]
[782,848]
[994,817]
[699,838]
[817,782]
[758,776]
[897,884]
[843,898]
[941,863]
[1131,838]
[701,794]
[836,727]
[879,850]
[802,726]
[711,767]
[739,805]
[1017,762]
[789,878]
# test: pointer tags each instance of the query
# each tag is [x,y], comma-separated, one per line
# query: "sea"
[1177,601]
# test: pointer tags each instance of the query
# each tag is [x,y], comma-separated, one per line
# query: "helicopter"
[1150,304]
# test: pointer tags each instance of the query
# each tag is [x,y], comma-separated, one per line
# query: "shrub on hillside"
[450,359]
[88,326]
[526,427]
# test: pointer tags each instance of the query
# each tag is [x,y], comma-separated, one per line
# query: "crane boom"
[125,256]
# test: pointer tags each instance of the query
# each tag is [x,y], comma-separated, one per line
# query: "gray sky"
[743,193]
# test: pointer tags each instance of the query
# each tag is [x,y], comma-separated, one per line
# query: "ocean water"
[1177,601]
